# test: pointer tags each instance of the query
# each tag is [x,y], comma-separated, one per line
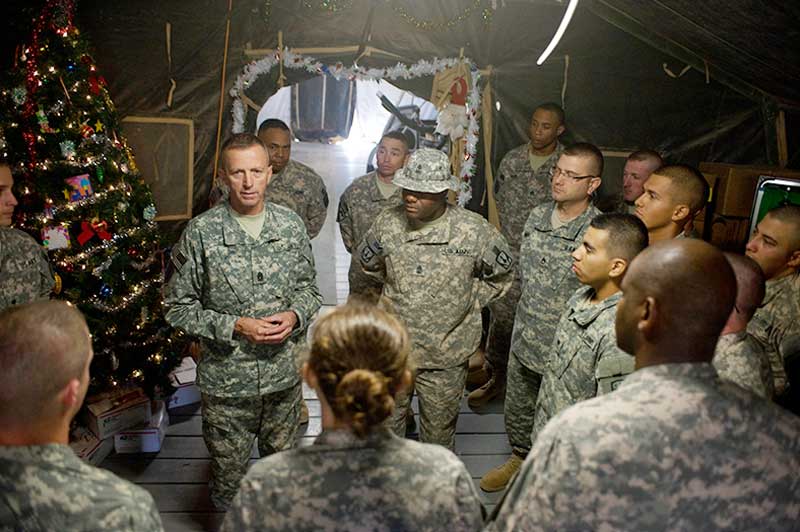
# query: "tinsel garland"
[339,71]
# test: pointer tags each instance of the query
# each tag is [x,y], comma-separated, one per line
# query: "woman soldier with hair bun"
[357,475]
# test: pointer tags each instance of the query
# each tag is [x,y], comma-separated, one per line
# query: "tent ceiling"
[753,43]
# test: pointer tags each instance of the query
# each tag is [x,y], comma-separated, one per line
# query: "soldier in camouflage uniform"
[440,265]
[244,283]
[363,200]
[775,246]
[25,273]
[638,167]
[586,361]
[673,195]
[523,182]
[357,475]
[674,447]
[553,231]
[739,357]
[45,353]
[293,184]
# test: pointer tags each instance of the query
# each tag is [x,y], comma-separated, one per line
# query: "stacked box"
[111,412]
[183,378]
[87,447]
[146,438]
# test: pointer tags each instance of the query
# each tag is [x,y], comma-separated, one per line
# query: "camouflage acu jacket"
[359,206]
[742,359]
[345,483]
[223,274]
[584,353]
[301,189]
[776,321]
[673,448]
[547,282]
[47,487]
[25,273]
[438,279]
[519,188]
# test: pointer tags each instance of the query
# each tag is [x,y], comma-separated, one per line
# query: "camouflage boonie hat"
[427,170]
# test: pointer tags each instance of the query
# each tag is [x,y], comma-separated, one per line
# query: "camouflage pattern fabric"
[231,424]
[518,190]
[222,274]
[740,358]
[547,281]
[547,284]
[777,320]
[25,273]
[301,189]
[522,389]
[359,206]
[585,335]
[47,487]
[439,392]
[637,459]
[437,279]
[341,482]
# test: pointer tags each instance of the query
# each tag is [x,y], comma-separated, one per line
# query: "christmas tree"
[81,196]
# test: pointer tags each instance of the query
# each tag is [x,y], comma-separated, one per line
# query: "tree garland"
[338,71]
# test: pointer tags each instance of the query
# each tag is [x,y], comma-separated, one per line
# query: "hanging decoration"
[339,71]
[449,24]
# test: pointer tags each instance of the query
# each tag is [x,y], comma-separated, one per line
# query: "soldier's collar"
[438,233]
[234,235]
[586,314]
[570,230]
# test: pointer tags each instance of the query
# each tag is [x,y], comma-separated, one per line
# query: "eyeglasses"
[559,172]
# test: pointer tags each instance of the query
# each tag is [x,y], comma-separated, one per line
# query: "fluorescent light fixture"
[559,32]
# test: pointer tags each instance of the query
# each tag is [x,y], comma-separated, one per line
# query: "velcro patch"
[371,249]
[178,259]
[503,259]
[343,212]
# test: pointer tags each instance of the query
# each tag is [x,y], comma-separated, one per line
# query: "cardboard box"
[87,447]
[183,378]
[111,412]
[146,438]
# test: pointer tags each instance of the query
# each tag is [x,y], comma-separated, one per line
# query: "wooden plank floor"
[177,476]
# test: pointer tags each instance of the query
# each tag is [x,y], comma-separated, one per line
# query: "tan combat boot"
[303,412]
[495,387]
[498,478]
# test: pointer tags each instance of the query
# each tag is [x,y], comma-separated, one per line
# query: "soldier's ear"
[794,259]
[649,316]
[560,130]
[681,212]
[70,395]
[618,268]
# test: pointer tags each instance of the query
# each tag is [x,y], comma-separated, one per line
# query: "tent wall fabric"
[610,72]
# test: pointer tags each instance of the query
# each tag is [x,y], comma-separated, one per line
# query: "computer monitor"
[770,193]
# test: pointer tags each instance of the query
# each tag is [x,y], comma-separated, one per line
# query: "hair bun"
[363,400]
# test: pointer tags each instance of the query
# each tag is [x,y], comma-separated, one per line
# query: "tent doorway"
[340,154]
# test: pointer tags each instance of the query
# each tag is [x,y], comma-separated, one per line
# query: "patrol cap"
[427,170]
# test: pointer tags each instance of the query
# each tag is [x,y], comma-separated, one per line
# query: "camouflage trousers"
[439,392]
[522,389]
[230,424]
[501,325]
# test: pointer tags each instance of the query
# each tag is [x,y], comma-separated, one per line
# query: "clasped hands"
[272,329]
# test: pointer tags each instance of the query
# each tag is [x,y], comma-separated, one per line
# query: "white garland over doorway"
[289,59]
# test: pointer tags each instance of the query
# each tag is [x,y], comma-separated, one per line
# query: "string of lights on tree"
[81,195]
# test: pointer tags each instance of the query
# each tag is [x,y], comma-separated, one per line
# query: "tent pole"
[222,88]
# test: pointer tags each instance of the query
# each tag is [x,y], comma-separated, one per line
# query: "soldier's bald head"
[676,299]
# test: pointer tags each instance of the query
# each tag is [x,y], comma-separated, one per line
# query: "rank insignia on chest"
[419,270]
